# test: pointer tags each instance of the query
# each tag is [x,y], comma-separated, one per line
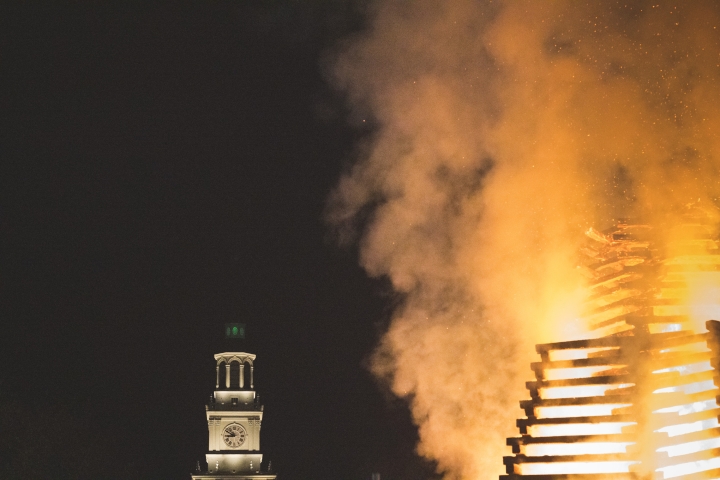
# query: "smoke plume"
[503,131]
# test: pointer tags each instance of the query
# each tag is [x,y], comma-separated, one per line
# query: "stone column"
[217,376]
[252,383]
[213,423]
[257,433]
[242,375]
[253,433]
[227,374]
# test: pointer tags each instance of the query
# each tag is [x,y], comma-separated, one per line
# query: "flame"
[702,296]
[573,427]
[578,411]
[579,391]
[499,131]
[576,439]
[574,467]
[578,429]
[583,372]
[689,447]
[576,448]
[689,468]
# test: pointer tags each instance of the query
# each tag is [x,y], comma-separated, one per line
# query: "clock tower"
[234,416]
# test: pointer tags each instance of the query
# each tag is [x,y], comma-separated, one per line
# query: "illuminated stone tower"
[234,416]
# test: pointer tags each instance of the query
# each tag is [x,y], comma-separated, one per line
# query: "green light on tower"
[235,330]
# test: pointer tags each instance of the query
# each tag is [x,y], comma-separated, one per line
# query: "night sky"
[165,170]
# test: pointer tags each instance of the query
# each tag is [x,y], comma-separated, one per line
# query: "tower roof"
[235,338]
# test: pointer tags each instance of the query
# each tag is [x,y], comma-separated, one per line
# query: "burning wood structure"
[640,398]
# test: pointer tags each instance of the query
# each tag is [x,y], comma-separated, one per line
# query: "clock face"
[234,435]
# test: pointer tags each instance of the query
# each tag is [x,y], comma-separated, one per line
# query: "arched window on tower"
[234,375]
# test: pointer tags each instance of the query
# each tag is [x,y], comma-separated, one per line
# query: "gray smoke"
[504,130]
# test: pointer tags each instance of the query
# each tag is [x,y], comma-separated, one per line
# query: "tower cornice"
[234,357]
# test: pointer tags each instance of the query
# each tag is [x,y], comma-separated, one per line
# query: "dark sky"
[163,170]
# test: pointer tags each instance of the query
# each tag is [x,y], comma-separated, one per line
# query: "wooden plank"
[674,379]
[615,360]
[614,324]
[565,402]
[713,326]
[575,382]
[672,418]
[579,344]
[690,457]
[691,268]
[607,457]
[603,353]
[664,340]
[604,297]
[626,277]
[652,319]
[657,341]
[679,359]
[637,300]
[571,420]
[707,474]
[528,440]
[620,261]
[573,476]
[707,434]
[671,399]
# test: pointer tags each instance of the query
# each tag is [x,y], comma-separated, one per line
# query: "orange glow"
[578,429]
[669,424]
[576,448]
[578,411]
[582,372]
[502,131]
[574,467]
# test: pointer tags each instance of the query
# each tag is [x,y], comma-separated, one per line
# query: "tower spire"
[234,415]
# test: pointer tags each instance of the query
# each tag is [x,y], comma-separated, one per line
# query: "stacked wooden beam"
[640,399]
